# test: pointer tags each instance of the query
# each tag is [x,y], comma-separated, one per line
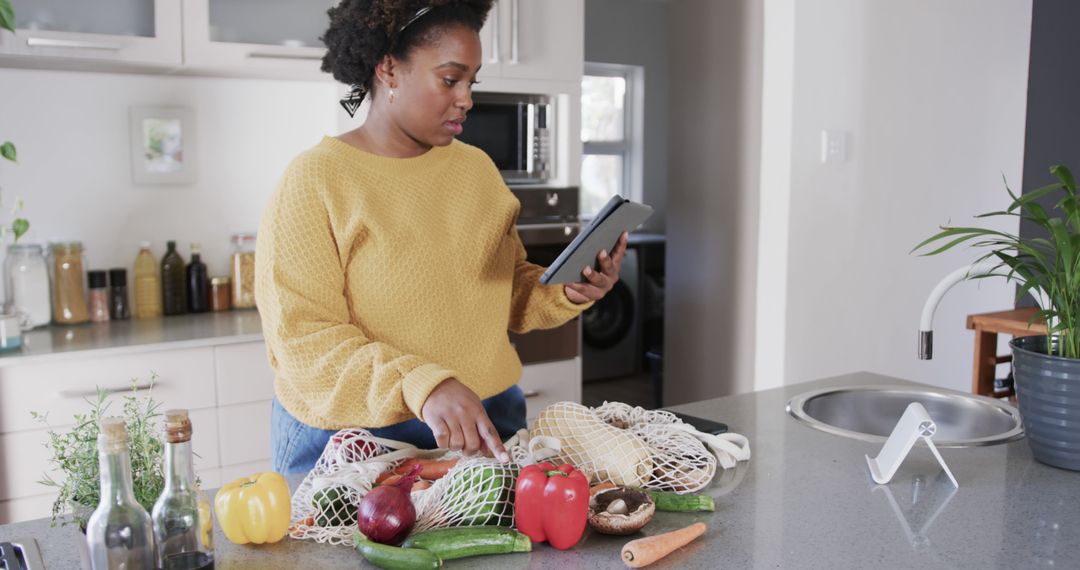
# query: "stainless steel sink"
[869,413]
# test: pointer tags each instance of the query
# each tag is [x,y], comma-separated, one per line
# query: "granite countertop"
[58,342]
[805,500]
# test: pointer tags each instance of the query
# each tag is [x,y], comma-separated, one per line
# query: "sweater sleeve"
[327,367]
[534,305]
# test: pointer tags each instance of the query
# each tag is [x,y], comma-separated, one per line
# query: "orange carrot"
[389,479]
[601,487]
[421,485]
[430,469]
[645,551]
[384,476]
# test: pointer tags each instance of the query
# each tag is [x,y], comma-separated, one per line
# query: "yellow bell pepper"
[254,509]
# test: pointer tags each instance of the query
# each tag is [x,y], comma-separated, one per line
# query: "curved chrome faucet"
[926,323]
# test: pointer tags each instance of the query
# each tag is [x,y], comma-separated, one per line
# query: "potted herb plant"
[75,456]
[1046,369]
[7,149]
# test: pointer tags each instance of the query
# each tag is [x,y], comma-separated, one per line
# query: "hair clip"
[415,17]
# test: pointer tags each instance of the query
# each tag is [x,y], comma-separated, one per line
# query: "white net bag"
[635,447]
[475,491]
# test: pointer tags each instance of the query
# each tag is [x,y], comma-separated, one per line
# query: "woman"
[389,267]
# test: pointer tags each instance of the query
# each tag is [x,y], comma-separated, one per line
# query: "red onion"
[387,513]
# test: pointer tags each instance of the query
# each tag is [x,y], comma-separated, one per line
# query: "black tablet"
[618,215]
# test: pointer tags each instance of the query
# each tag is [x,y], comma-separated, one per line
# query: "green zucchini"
[396,558]
[676,503]
[462,542]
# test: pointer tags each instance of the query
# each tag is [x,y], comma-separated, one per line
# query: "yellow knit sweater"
[377,278]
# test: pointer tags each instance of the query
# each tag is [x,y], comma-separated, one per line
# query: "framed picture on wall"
[162,145]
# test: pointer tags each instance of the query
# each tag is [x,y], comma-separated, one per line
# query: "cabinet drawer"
[29,508]
[24,459]
[234,472]
[550,382]
[244,433]
[243,373]
[185,380]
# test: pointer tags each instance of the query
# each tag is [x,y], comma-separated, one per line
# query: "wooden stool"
[986,327]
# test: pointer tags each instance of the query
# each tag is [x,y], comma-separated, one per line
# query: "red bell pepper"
[552,504]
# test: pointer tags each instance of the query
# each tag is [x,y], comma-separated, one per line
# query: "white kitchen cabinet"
[549,382]
[26,508]
[125,31]
[243,374]
[535,39]
[228,389]
[185,379]
[276,38]
[245,433]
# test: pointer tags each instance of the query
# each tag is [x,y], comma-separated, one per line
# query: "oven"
[547,223]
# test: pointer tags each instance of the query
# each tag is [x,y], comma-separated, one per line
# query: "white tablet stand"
[914,424]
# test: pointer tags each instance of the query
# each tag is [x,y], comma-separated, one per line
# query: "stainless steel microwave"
[515,131]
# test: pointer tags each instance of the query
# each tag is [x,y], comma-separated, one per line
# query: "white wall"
[713,182]
[932,97]
[74,171]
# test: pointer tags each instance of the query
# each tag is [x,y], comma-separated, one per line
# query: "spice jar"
[27,276]
[243,271]
[99,297]
[69,294]
[118,294]
[220,294]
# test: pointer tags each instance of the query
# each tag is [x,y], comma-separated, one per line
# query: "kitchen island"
[805,500]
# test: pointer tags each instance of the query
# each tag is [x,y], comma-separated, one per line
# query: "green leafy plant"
[7,149]
[7,15]
[75,454]
[1051,263]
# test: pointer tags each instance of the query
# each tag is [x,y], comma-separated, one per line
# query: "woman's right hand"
[459,421]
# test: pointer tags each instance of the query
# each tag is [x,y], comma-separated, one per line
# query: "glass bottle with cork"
[118,534]
[243,271]
[183,524]
[198,283]
[147,284]
[173,286]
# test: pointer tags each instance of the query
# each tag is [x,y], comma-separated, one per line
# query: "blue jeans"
[297,446]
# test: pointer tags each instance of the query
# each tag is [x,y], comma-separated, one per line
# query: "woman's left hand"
[600,282]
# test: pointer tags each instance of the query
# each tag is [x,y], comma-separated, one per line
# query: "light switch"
[833,146]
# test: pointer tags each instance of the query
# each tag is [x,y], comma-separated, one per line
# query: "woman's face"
[434,88]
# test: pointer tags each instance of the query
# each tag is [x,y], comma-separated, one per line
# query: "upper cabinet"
[538,40]
[264,37]
[535,39]
[124,31]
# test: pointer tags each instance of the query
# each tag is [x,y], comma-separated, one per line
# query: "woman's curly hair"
[363,32]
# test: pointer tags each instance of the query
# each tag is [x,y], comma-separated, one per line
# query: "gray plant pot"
[1048,390]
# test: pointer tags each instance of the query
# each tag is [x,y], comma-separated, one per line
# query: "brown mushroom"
[620,511]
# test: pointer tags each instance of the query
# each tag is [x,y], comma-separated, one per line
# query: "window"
[611,134]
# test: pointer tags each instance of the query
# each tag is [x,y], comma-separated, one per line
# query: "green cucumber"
[396,558]
[676,503]
[462,542]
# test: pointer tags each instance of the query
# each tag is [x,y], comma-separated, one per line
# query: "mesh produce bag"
[476,491]
[632,446]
